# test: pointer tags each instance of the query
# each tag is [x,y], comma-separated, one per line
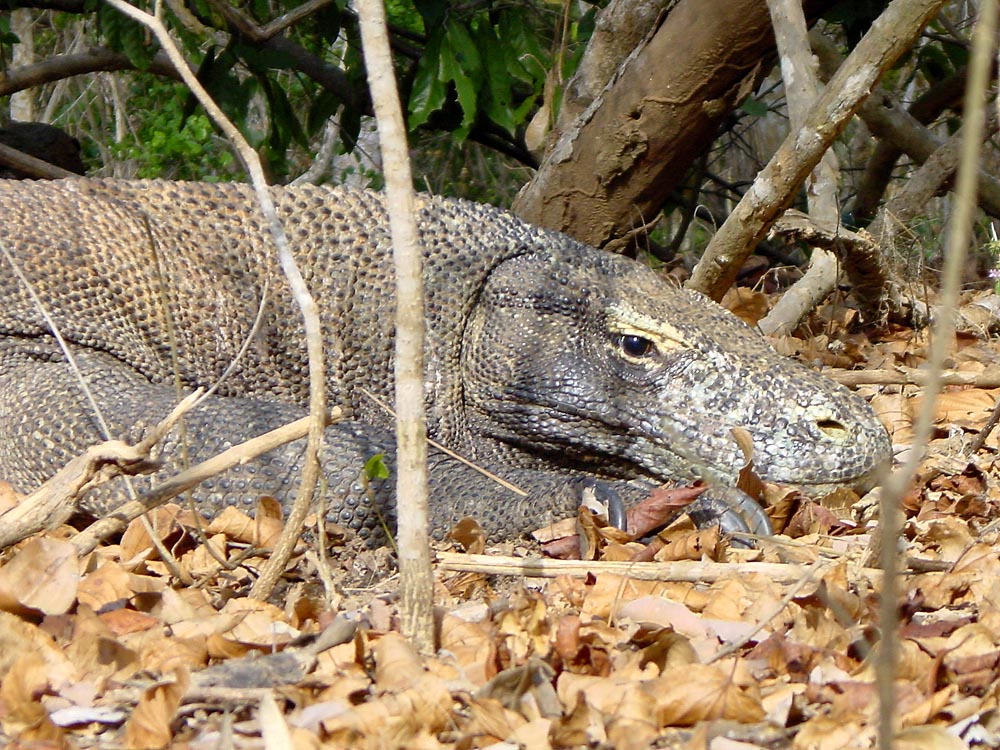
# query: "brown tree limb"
[611,170]
[693,571]
[56,500]
[878,170]
[989,378]
[29,165]
[925,183]
[118,519]
[80,63]
[901,131]
[892,34]
[798,70]
[619,28]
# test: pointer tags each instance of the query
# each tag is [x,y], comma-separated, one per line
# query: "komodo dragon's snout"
[547,362]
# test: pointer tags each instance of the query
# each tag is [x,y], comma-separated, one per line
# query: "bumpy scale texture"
[547,361]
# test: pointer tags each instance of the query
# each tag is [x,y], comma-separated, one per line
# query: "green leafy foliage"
[129,36]
[169,143]
[754,107]
[491,66]
[6,35]
[466,70]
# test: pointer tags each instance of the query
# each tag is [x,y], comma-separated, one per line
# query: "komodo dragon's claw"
[734,511]
[603,499]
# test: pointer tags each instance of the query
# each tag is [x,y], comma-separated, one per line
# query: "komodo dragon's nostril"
[832,429]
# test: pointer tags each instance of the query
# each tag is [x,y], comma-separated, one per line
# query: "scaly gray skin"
[547,361]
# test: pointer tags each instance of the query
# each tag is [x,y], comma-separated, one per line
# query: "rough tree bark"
[892,34]
[610,171]
[22,104]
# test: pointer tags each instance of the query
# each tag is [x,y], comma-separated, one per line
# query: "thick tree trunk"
[610,171]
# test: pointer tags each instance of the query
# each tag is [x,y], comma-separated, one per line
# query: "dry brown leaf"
[472,648]
[161,654]
[582,727]
[533,735]
[24,716]
[149,726]
[967,408]
[746,303]
[928,737]
[261,531]
[96,652]
[18,637]
[893,410]
[491,722]
[398,666]
[256,623]
[825,733]
[527,626]
[109,583]
[124,621]
[43,576]
[949,537]
[165,521]
[698,544]
[632,726]
[698,692]
[470,535]
[609,591]
[394,718]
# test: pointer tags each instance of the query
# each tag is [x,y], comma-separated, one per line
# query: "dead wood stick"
[11,157]
[989,378]
[57,499]
[683,571]
[87,539]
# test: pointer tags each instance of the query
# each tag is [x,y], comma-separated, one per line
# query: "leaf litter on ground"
[123,647]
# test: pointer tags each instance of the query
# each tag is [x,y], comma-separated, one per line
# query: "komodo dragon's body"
[546,359]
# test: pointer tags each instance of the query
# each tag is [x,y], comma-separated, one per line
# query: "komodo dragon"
[547,361]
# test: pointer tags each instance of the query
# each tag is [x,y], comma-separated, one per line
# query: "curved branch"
[94,60]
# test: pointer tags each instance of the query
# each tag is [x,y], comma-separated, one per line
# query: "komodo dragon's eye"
[635,346]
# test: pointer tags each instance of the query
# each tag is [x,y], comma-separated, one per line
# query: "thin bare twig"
[300,292]
[959,229]
[682,571]
[117,520]
[416,575]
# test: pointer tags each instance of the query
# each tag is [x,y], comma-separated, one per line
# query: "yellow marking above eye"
[629,327]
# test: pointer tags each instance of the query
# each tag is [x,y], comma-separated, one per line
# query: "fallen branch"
[802,87]
[56,500]
[683,571]
[118,519]
[989,378]
[890,36]
[28,164]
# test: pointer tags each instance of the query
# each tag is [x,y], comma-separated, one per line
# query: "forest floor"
[682,642]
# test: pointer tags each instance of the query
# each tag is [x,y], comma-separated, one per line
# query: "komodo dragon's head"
[601,365]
